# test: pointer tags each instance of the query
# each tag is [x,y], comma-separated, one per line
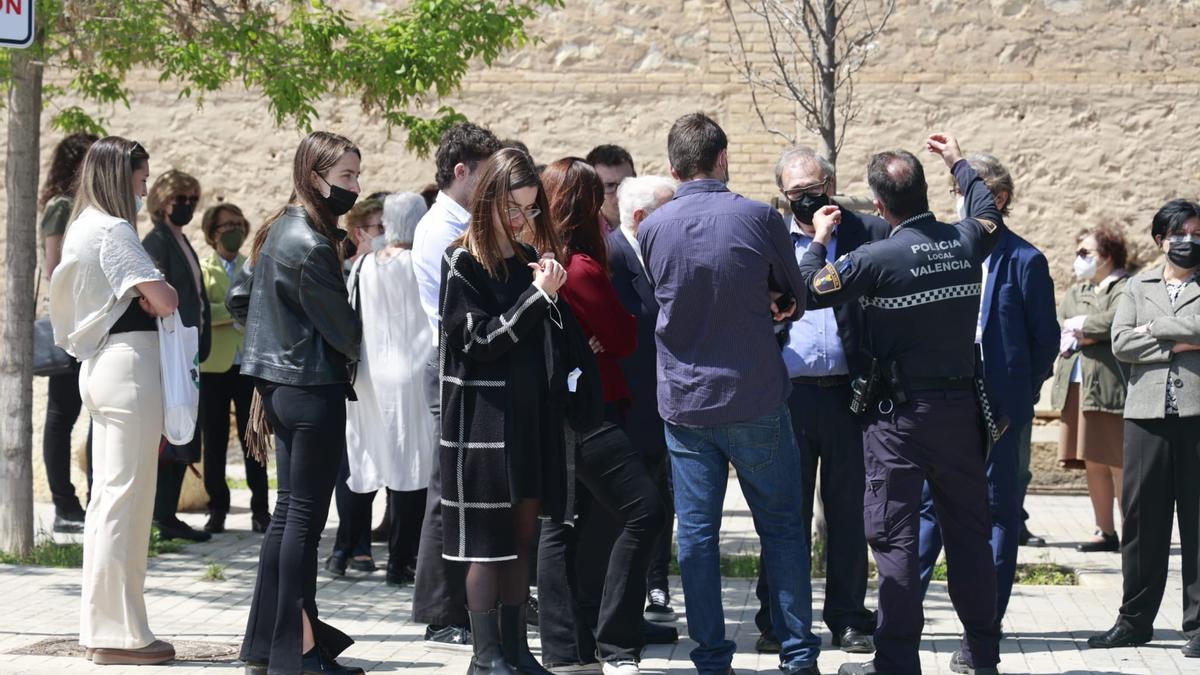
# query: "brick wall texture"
[1090,103]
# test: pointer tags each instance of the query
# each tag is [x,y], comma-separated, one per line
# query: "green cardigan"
[1104,378]
[226,334]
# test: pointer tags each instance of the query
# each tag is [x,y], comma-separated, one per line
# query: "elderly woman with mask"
[390,435]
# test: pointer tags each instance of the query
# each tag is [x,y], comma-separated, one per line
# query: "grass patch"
[1029,574]
[241,484]
[1046,574]
[48,553]
[738,566]
[214,572]
[158,545]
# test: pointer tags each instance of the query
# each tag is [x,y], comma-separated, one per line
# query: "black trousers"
[618,488]
[439,594]
[168,488]
[310,437]
[404,536]
[660,554]
[826,430]
[219,391]
[63,405]
[1162,463]
[354,516]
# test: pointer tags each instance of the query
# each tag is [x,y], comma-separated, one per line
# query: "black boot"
[487,659]
[515,641]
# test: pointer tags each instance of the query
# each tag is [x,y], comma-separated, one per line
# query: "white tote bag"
[179,352]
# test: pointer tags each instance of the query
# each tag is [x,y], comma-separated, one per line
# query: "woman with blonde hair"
[301,335]
[104,297]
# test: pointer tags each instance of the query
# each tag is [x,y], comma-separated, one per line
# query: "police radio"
[863,389]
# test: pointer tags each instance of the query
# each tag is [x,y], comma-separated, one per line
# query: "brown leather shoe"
[153,653]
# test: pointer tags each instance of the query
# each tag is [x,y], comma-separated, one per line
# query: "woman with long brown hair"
[502,446]
[62,392]
[301,333]
[614,475]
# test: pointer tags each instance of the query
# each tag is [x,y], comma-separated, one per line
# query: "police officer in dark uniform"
[921,414]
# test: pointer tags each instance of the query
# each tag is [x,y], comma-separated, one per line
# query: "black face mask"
[181,213]
[1185,254]
[807,206]
[340,200]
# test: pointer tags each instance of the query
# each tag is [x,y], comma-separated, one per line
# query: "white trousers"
[122,389]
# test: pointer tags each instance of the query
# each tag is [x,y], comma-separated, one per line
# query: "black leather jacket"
[300,328]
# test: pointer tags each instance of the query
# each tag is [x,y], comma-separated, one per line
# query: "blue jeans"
[768,468]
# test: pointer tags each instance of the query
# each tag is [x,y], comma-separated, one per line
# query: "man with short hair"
[638,197]
[722,268]
[439,596]
[923,413]
[823,350]
[613,164]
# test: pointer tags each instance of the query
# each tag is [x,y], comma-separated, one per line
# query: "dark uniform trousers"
[826,430]
[935,437]
[439,593]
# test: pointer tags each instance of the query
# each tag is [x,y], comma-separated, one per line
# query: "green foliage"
[48,553]
[158,545]
[1029,574]
[214,572]
[736,566]
[296,52]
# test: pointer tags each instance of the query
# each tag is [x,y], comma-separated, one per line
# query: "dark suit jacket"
[642,423]
[855,230]
[194,309]
[1020,329]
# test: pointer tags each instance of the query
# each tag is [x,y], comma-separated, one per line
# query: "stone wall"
[1089,103]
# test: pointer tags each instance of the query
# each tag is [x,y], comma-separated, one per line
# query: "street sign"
[16,23]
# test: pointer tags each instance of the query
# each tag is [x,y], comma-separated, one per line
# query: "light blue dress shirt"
[814,348]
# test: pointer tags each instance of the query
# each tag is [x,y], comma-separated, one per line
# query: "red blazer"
[590,293]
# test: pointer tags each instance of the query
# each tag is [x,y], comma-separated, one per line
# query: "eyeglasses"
[1182,238]
[515,212]
[182,200]
[814,190]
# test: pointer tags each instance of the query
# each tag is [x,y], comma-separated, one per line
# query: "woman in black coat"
[503,458]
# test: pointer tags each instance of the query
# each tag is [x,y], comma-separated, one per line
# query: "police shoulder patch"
[988,225]
[827,280]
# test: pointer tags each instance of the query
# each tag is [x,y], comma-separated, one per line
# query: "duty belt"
[940,383]
[825,381]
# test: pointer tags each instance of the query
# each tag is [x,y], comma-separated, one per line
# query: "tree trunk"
[828,57]
[16,333]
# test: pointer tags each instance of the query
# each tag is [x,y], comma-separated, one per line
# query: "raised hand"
[946,146]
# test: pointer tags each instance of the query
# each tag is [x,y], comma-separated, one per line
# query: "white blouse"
[390,435]
[102,263]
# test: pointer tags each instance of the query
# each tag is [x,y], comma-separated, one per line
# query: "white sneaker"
[621,668]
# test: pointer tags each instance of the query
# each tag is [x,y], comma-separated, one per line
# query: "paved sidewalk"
[1047,626]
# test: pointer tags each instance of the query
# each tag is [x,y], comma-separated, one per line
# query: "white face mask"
[1085,267]
[960,205]
[378,243]
[137,204]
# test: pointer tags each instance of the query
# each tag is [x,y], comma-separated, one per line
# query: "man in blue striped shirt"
[715,260]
